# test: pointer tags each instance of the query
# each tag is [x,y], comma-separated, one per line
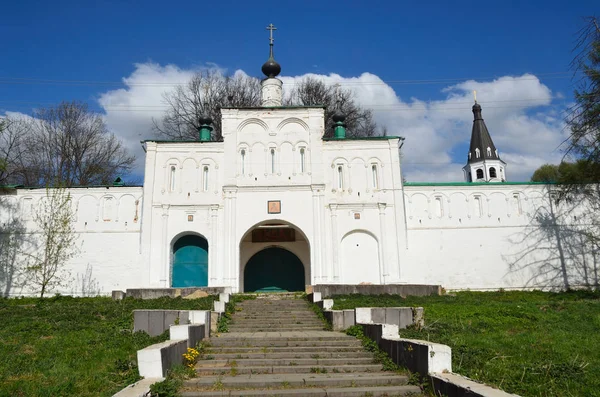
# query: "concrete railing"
[186,329]
[328,290]
[431,360]
[341,320]
[154,293]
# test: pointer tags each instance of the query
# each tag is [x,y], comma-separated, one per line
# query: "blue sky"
[517,53]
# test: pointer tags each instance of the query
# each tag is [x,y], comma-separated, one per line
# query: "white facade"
[354,221]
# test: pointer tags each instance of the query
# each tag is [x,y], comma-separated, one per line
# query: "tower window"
[172,179]
[302,160]
[489,151]
[243,156]
[374,176]
[480,174]
[272,161]
[477,152]
[492,172]
[340,173]
[205,178]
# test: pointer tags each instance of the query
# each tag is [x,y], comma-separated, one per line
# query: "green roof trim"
[77,187]
[10,186]
[364,138]
[177,141]
[473,183]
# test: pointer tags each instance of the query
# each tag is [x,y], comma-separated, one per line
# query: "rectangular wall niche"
[273,235]
[190,218]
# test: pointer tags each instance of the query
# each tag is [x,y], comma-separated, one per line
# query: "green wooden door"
[190,262]
[274,269]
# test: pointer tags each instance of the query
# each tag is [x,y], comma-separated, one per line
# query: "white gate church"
[276,206]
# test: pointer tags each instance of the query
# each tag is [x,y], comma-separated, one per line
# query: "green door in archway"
[274,269]
[190,262]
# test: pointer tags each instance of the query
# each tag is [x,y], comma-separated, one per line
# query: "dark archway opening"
[190,262]
[274,269]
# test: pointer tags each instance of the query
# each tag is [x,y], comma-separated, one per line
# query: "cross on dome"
[271,27]
[271,68]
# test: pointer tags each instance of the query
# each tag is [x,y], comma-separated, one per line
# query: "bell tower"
[483,161]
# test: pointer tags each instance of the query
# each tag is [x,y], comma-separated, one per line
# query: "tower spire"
[483,162]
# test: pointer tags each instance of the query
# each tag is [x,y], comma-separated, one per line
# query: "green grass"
[528,343]
[66,346]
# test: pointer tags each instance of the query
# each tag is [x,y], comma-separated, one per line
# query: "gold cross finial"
[475,95]
[271,28]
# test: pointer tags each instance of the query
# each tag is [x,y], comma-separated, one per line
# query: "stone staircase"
[277,346]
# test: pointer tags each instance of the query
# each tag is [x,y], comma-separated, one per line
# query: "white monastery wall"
[355,222]
[107,226]
[490,236]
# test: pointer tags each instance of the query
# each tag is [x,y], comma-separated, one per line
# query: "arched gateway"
[190,262]
[274,256]
[274,269]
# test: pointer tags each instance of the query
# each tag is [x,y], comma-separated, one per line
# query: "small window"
[272,161]
[172,179]
[492,172]
[477,152]
[489,151]
[439,209]
[108,209]
[516,204]
[243,160]
[480,174]
[340,177]
[302,160]
[477,206]
[374,177]
[205,178]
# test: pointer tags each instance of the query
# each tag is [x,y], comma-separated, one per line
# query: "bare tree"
[559,248]
[12,157]
[314,92]
[67,145]
[56,240]
[208,91]
[12,242]
[205,94]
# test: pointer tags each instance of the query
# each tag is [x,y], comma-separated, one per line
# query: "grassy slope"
[529,343]
[67,346]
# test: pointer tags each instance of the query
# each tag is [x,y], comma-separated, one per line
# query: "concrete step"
[298,380]
[231,342]
[294,355]
[275,313]
[312,323]
[382,391]
[282,349]
[208,369]
[272,328]
[277,317]
[289,336]
[293,361]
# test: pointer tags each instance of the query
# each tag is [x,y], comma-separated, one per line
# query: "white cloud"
[436,131]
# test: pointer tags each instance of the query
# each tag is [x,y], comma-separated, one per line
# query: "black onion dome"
[338,116]
[204,119]
[271,68]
